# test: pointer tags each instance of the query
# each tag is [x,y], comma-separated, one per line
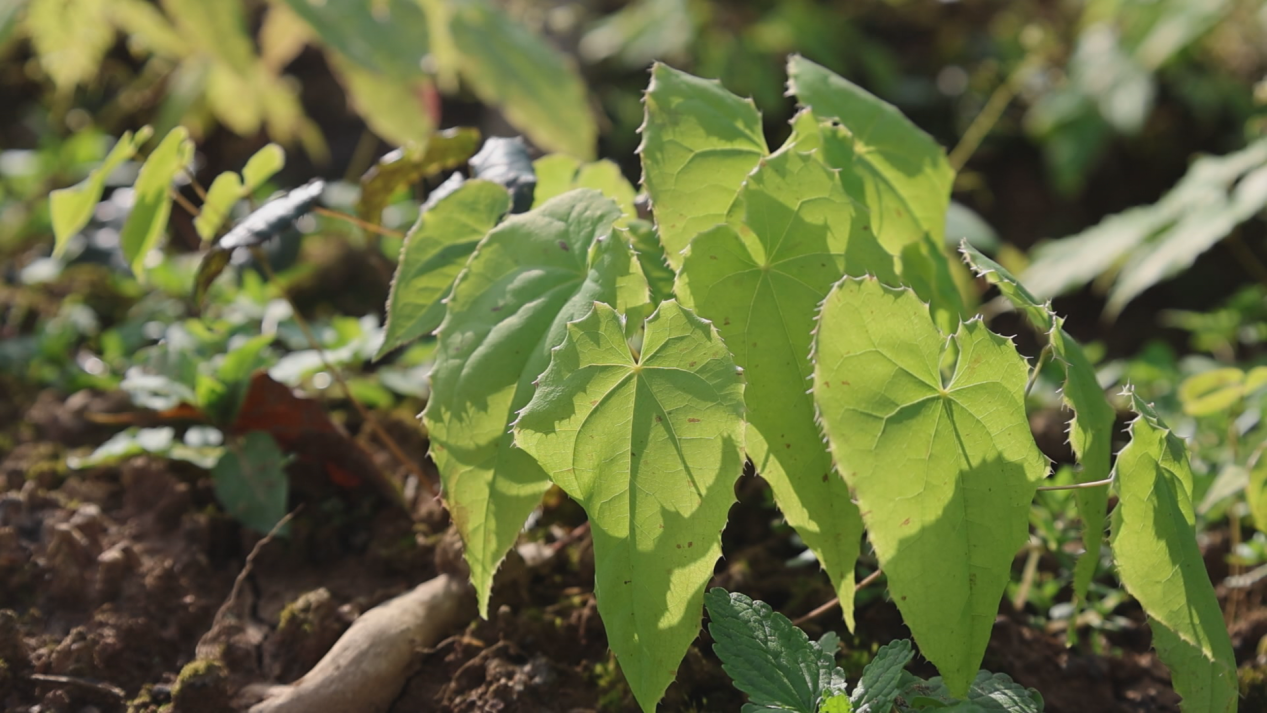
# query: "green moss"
[201,687]
[1253,685]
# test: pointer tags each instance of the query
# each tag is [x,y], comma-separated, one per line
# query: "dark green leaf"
[250,481]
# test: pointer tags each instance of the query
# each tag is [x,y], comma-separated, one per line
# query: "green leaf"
[434,251]
[1154,543]
[71,208]
[70,37]
[989,693]
[650,447]
[890,165]
[1090,429]
[250,481]
[560,173]
[394,108]
[768,657]
[882,679]
[1212,391]
[646,243]
[537,87]
[261,166]
[406,166]
[224,192]
[699,142]
[1152,243]
[837,704]
[1256,492]
[147,222]
[386,36]
[527,279]
[804,237]
[156,441]
[943,467]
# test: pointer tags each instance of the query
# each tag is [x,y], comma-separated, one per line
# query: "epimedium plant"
[793,308]
[816,265]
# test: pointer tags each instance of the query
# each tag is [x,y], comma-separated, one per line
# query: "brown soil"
[109,578]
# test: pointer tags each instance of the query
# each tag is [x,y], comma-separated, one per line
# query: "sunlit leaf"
[805,236]
[650,447]
[70,37]
[71,208]
[262,165]
[888,164]
[434,251]
[527,279]
[943,466]
[1090,429]
[537,87]
[398,110]
[147,222]
[1154,544]
[699,142]
[560,173]
[224,192]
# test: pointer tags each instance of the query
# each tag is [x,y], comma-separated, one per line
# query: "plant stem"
[183,202]
[1076,486]
[989,115]
[836,601]
[1038,367]
[358,222]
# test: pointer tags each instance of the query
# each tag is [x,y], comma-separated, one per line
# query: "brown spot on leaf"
[692,420]
[564,246]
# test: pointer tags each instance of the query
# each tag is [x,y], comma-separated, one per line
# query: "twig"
[1076,486]
[1027,577]
[370,421]
[240,581]
[836,602]
[183,202]
[358,222]
[577,533]
[193,181]
[989,115]
[88,683]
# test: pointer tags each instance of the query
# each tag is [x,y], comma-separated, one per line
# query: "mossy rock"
[202,687]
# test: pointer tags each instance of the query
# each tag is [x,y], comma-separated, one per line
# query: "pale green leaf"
[560,173]
[1149,244]
[537,87]
[394,108]
[145,24]
[527,279]
[943,467]
[882,679]
[1212,392]
[651,448]
[262,165]
[434,251]
[699,142]
[1154,543]
[1090,429]
[768,657]
[224,192]
[216,28]
[1256,492]
[71,208]
[892,167]
[804,237]
[70,37]
[147,222]
[656,270]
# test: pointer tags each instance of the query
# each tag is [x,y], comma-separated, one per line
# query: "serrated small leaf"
[656,270]
[250,481]
[699,142]
[527,279]
[989,693]
[1090,429]
[882,679]
[944,467]
[651,448]
[801,237]
[837,704]
[433,253]
[1155,547]
[406,166]
[767,656]
[537,88]
[152,206]
[71,208]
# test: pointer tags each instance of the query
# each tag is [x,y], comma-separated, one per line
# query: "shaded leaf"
[699,142]
[803,236]
[768,657]
[435,249]
[388,36]
[1256,492]
[406,166]
[656,270]
[883,678]
[71,208]
[650,447]
[537,87]
[250,481]
[943,467]
[527,279]
[160,441]
[152,206]
[989,693]
[1154,543]
[401,111]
